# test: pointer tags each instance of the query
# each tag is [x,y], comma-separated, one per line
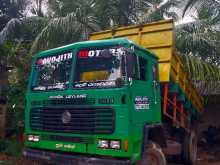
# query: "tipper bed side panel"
[158,37]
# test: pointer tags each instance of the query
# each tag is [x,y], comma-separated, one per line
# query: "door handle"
[155,84]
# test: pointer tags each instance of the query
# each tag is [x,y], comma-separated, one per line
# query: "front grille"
[81,120]
[84,140]
[72,101]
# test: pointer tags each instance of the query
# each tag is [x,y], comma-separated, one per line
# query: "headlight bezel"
[102,143]
[30,137]
[33,138]
[109,144]
[115,144]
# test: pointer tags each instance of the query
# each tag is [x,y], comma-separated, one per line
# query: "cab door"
[144,91]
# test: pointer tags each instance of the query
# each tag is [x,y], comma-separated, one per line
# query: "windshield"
[52,72]
[93,68]
[98,67]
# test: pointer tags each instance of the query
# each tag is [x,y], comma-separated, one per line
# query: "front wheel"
[153,156]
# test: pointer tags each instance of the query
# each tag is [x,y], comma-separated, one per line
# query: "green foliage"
[60,8]
[13,148]
[159,10]
[71,21]
[37,10]
[16,102]
[5,50]
[199,38]
[10,9]
[17,85]
[205,13]
[205,76]
[75,26]
[15,95]
[212,7]
[15,55]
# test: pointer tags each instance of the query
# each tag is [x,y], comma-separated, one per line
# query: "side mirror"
[130,65]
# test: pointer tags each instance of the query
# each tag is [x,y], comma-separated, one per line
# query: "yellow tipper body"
[158,37]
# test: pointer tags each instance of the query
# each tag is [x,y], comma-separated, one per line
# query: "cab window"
[143,69]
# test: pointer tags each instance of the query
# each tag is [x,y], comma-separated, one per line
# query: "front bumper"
[71,159]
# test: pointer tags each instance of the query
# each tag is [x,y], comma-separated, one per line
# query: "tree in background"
[69,21]
[11,9]
[199,42]
[37,10]
[13,58]
[36,7]
[201,37]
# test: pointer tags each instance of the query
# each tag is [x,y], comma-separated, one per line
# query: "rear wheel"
[190,148]
[153,156]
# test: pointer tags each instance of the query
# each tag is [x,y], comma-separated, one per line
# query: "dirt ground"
[209,157]
[205,157]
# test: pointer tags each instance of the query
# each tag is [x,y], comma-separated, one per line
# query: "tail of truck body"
[85,119]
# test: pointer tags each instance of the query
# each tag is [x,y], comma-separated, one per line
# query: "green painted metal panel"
[129,121]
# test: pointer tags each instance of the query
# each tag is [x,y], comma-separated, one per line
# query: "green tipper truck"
[123,98]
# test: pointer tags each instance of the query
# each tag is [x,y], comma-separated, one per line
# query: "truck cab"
[91,102]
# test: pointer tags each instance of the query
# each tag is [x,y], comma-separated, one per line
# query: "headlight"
[36,138]
[103,144]
[109,144]
[33,138]
[114,144]
[30,137]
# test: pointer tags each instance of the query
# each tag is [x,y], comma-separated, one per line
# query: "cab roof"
[95,43]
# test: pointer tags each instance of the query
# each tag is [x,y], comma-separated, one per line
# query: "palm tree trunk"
[39,7]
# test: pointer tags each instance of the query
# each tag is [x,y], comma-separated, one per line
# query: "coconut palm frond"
[190,5]
[15,28]
[73,27]
[157,10]
[9,29]
[172,15]
[48,36]
[166,11]
[205,76]
[187,5]
[169,4]
[199,37]
[35,21]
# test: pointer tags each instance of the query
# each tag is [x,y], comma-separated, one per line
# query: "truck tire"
[153,156]
[190,148]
